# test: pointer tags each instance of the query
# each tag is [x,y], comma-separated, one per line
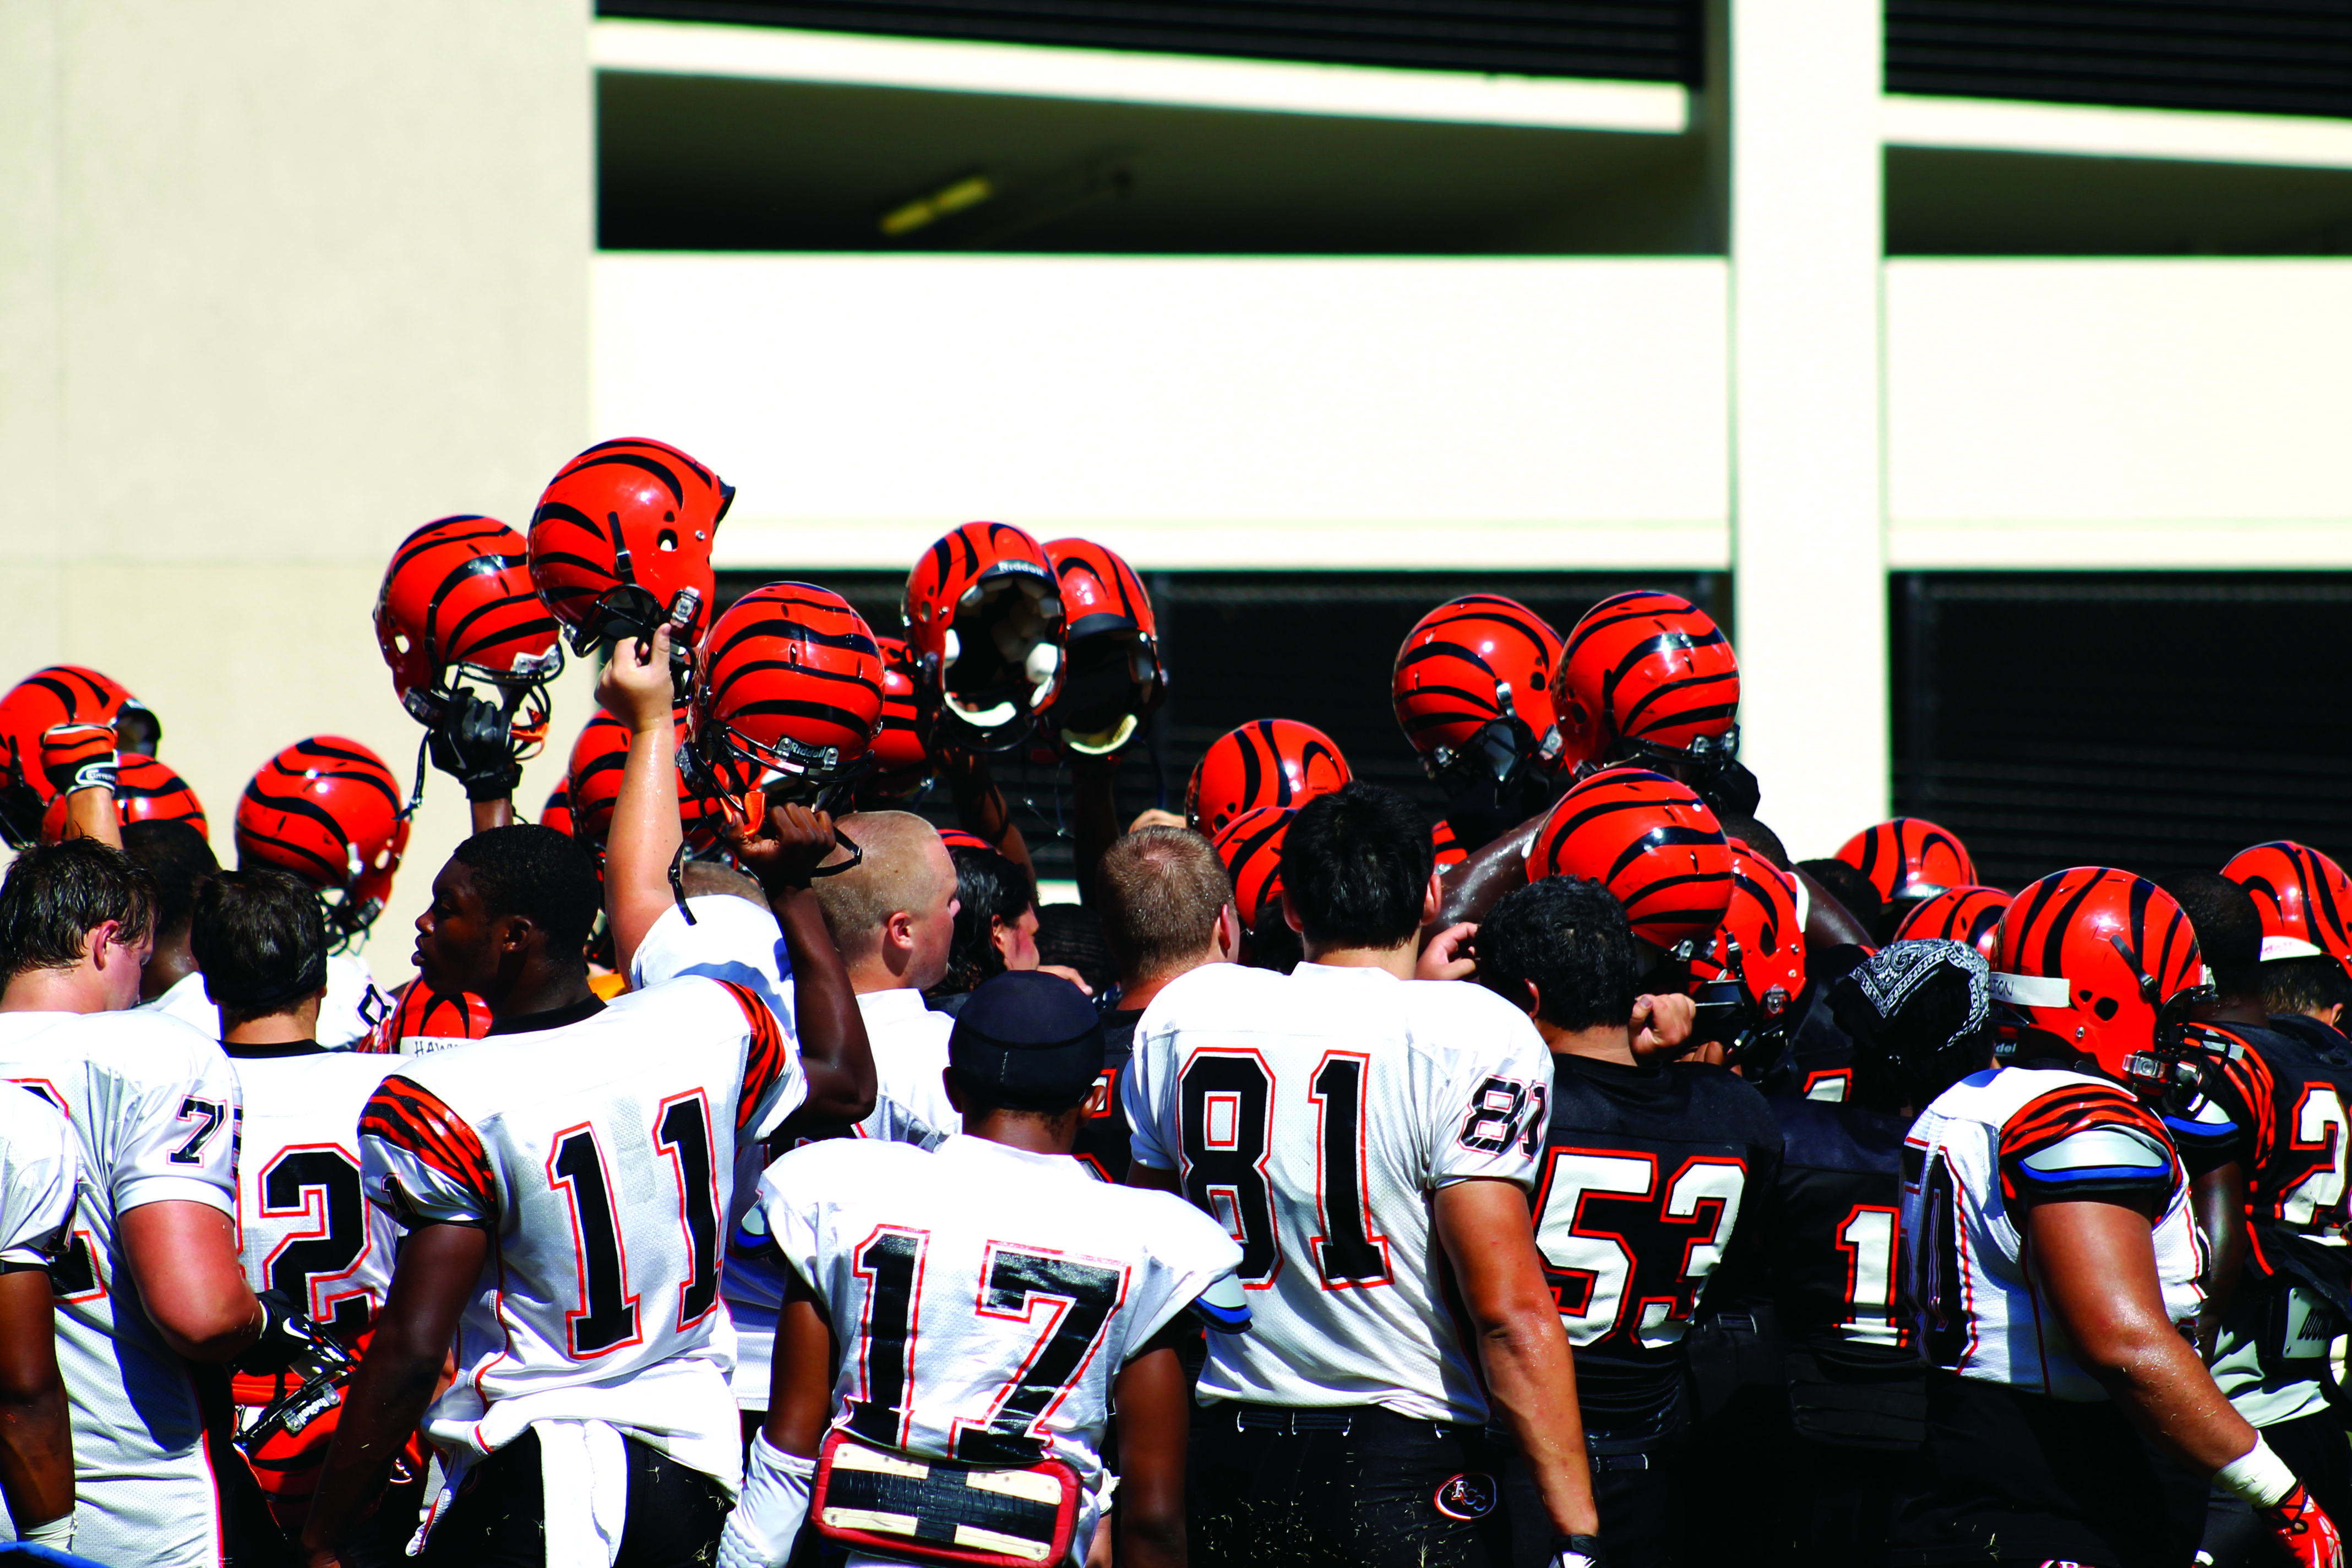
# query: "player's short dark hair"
[56,893]
[2229,928]
[982,1099]
[1159,890]
[2308,985]
[261,939]
[1851,888]
[540,875]
[1757,837]
[1571,939]
[1272,944]
[989,887]
[177,859]
[1072,935]
[1356,865]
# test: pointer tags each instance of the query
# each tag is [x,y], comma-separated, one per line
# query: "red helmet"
[457,602]
[790,696]
[2303,896]
[1110,652]
[983,612]
[1267,762]
[1650,841]
[1969,915]
[423,1020]
[901,755]
[620,543]
[2098,960]
[1756,969]
[958,838]
[557,813]
[1909,857]
[1251,847]
[144,791]
[1649,674]
[1473,687]
[60,694]
[327,810]
[593,784]
[1448,848]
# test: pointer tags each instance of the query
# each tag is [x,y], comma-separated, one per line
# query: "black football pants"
[1638,1487]
[498,1517]
[1358,1487]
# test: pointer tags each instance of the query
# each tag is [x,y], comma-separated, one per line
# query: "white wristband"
[59,1532]
[2258,1476]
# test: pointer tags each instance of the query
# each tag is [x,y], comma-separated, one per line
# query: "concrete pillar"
[280,281]
[1809,554]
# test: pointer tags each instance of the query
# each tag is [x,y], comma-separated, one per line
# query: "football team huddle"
[748,1176]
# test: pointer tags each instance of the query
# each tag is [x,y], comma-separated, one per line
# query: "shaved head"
[906,871]
[707,878]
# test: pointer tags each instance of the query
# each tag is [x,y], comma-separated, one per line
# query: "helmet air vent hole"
[667,539]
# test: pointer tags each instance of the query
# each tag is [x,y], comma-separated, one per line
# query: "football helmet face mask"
[1473,687]
[457,606]
[59,694]
[329,811]
[2302,897]
[790,697]
[1267,762]
[144,791]
[1650,679]
[1748,982]
[1650,841]
[2097,963]
[1969,915]
[1909,857]
[1111,676]
[620,544]
[983,614]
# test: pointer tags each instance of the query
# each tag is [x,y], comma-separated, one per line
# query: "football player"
[38,1174]
[307,1232]
[1656,1177]
[1476,687]
[2068,1415]
[1049,1297]
[1360,1132]
[1167,910]
[152,1273]
[564,1184]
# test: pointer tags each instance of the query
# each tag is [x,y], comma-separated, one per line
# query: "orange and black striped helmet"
[1111,675]
[329,811]
[2100,961]
[1969,914]
[424,1020]
[458,600]
[1446,849]
[1760,949]
[1251,847]
[1473,687]
[1267,762]
[901,753]
[593,784]
[1650,676]
[983,614]
[957,838]
[144,791]
[2303,896]
[1650,841]
[620,543]
[790,694]
[1909,857]
[59,694]
[557,812]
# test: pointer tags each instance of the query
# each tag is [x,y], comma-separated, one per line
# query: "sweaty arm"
[2217,1199]
[439,1266]
[645,838]
[1489,1238]
[784,853]
[1478,884]
[1094,815]
[1829,923]
[37,1473]
[183,1255]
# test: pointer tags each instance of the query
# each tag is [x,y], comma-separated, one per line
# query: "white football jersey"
[154,1112]
[988,1297]
[38,1174]
[352,1007]
[1314,1115]
[304,1222]
[911,1051]
[1991,1144]
[601,1153]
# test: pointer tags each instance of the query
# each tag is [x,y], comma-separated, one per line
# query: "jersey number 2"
[607,1315]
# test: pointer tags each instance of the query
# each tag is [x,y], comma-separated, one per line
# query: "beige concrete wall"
[279,281]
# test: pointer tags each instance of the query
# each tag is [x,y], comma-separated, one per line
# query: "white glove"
[1576,1552]
[776,1503]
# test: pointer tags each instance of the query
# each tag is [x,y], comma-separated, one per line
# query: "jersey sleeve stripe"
[406,1115]
[765,1058]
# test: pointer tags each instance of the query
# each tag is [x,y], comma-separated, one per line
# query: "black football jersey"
[1831,1260]
[1819,1061]
[1654,1188]
[1103,1130]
